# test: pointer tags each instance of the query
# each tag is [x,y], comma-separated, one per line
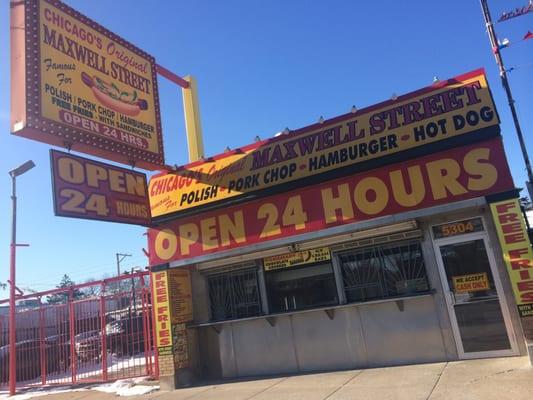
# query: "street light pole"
[12,269]
[12,276]
[505,83]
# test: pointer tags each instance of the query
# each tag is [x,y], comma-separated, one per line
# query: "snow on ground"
[126,387]
[123,387]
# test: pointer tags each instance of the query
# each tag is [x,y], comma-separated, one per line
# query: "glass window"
[383,271]
[302,287]
[234,294]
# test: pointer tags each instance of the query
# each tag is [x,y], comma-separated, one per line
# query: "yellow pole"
[192,120]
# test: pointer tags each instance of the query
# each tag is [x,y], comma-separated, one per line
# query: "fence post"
[72,335]
[147,314]
[42,343]
[146,336]
[103,322]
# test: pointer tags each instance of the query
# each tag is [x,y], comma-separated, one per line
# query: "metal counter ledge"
[329,310]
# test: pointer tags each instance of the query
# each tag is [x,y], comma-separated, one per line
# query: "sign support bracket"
[191,110]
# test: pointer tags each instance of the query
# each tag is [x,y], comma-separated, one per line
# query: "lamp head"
[22,169]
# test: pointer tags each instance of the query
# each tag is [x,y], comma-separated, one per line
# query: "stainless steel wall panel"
[323,343]
[396,337]
[227,352]
[261,349]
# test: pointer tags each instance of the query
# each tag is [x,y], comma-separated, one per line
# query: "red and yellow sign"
[296,258]
[471,283]
[74,83]
[453,175]
[448,110]
[517,251]
[90,189]
[161,305]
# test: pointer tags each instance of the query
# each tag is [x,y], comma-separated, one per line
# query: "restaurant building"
[389,235]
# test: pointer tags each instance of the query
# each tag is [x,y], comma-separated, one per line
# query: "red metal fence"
[94,332]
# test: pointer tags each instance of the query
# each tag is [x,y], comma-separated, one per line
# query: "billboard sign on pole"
[75,84]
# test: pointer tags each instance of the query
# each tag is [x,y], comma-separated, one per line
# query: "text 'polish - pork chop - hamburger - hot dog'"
[109,95]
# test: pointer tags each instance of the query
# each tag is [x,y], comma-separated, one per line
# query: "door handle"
[452,297]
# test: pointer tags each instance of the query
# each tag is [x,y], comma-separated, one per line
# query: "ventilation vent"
[378,240]
[231,267]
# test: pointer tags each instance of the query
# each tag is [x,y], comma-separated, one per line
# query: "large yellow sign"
[86,87]
[517,251]
[447,110]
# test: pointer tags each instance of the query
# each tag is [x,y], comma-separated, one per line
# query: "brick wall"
[166,365]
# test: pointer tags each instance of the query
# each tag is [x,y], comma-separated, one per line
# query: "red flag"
[529,35]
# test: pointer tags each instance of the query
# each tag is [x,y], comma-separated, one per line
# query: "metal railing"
[93,332]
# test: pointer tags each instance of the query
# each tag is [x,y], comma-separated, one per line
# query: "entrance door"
[481,326]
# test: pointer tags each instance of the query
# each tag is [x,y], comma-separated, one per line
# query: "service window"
[302,287]
[234,294]
[378,272]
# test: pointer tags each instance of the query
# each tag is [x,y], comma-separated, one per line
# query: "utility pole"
[120,258]
[505,83]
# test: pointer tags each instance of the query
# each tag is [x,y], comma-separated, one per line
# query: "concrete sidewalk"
[500,378]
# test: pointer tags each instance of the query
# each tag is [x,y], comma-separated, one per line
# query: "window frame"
[341,283]
[230,273]
[303,266]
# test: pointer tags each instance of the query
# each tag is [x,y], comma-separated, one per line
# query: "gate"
[93,332]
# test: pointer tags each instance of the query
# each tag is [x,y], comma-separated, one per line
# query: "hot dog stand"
[385,236]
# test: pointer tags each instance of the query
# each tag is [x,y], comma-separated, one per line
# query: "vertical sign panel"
[517,251]
[161,304]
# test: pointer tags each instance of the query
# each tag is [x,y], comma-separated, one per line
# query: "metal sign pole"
[505,83]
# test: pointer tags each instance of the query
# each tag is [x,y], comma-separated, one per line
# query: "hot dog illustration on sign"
[110,95]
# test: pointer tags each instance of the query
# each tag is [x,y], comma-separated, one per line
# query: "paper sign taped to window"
[471,283]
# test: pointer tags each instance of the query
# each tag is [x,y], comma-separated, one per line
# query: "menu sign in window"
[297,258]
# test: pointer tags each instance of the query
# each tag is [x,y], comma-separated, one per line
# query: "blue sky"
[261,66]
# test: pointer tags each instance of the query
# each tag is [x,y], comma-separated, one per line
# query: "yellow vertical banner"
[517,252]
[161,305]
